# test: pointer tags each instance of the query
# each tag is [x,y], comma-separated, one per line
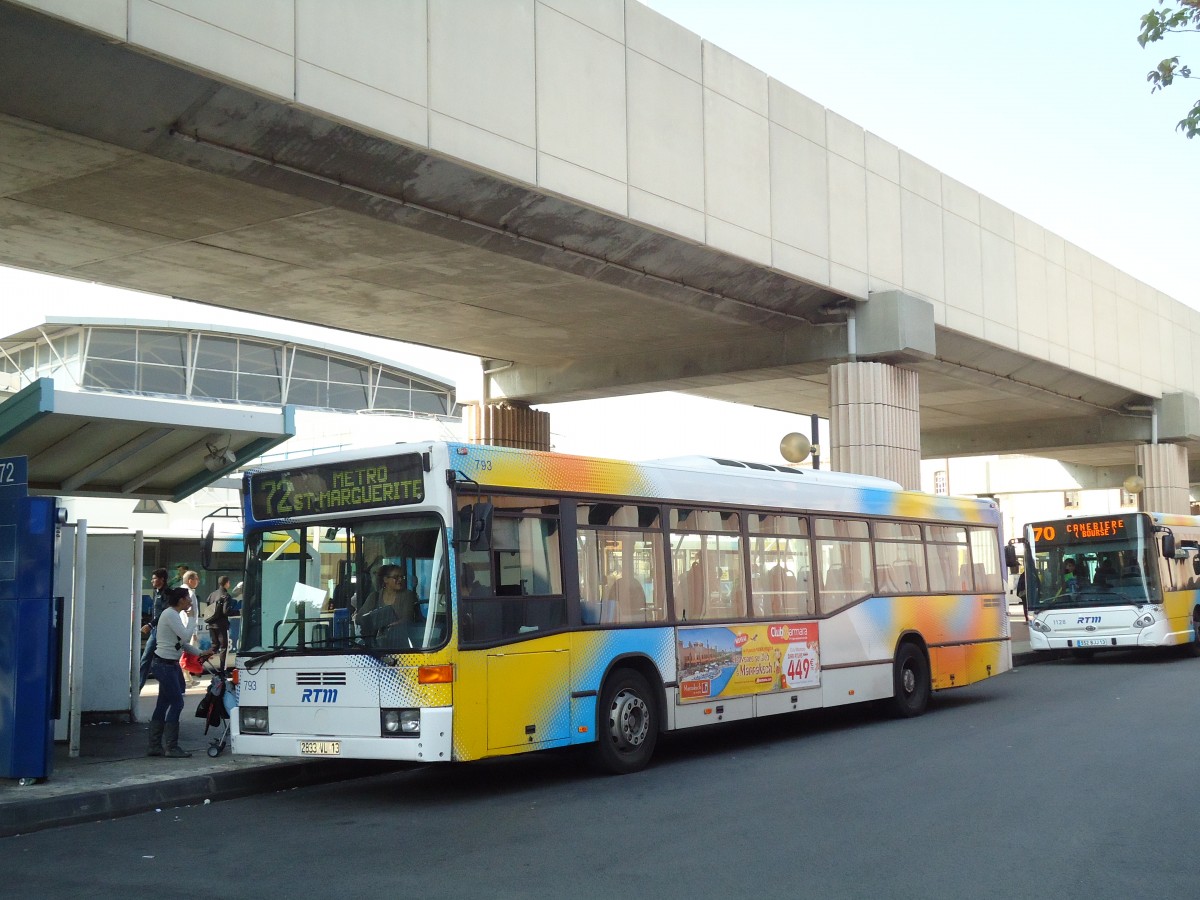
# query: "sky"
[1041,105]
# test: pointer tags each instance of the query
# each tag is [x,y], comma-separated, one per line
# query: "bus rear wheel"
[627,724]
[910,682]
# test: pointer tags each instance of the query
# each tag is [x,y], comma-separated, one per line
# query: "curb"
[24,817]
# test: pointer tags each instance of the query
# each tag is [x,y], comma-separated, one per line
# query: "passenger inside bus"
[782,588]
[392,606]
[629,596]
[1106,574]
[1071,578]
[468,585]
[696,591]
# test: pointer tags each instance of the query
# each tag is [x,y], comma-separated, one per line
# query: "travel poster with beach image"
[736,660]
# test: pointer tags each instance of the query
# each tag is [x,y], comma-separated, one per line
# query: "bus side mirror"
[481,532]
[1010,559]
[474,528]
[1168,545]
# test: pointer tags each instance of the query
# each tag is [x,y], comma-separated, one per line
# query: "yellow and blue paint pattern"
[543,692]
[581,475]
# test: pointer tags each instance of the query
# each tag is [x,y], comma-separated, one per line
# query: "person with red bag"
[174,637]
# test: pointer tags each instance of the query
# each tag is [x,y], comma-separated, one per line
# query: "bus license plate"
[321,748]
[1092,642]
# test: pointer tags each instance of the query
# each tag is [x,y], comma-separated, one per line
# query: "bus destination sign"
[337,487]
[1089,529]
[1073,531]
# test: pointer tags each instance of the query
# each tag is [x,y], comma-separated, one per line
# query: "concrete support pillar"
[1164,468]
[875,421]
[507,423]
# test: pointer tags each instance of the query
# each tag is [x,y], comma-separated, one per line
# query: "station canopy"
[84,444]
[155,409]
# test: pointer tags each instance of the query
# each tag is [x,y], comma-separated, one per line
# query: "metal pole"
[135,646]
[816,442]
[75,667]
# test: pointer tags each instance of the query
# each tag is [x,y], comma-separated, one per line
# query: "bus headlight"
[1145,620]
[1039,625]
[253,720]
[400,722]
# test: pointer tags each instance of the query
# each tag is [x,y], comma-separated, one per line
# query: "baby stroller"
[214,707]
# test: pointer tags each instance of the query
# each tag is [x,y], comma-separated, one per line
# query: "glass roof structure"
[222,366]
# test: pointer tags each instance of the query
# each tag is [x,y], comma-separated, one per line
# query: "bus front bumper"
[1156,635]
[434,744]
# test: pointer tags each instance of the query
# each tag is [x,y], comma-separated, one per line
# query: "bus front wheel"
[910,682]
[627,724]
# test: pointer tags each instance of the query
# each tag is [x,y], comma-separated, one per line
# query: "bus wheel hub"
[630,719]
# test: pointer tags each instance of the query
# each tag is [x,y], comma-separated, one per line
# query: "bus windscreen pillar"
[29,644]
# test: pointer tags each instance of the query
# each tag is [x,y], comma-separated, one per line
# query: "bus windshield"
[376,585]
[1078,563]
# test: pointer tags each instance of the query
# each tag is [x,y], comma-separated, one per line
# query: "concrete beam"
[1040,436]
[894,327]
[1179,417]
[1029,475]
[811,348]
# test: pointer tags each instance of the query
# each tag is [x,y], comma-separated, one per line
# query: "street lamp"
[794,447]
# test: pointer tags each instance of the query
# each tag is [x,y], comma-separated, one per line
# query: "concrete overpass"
[591,198]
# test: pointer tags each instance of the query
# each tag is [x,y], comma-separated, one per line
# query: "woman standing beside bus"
[173,638]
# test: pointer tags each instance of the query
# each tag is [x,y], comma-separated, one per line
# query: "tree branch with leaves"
[1179,17]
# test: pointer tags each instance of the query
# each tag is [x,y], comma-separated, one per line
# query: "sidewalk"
[113,777]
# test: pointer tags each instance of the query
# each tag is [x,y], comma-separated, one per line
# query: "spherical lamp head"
[794,447]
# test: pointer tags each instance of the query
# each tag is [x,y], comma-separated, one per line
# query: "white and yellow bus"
[536,600]
[1113,582]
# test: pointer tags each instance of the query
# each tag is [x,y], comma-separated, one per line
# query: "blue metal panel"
[28,639]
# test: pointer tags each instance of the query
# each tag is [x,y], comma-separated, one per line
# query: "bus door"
[517,597]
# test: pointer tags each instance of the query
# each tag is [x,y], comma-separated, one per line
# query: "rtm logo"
[319,695]
[1082,620]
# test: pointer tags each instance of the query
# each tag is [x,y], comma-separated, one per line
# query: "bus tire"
[627,724]
[910,682]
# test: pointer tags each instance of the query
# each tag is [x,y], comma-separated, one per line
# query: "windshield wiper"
[253,661]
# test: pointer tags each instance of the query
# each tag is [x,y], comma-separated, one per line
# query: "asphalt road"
[1061,779]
